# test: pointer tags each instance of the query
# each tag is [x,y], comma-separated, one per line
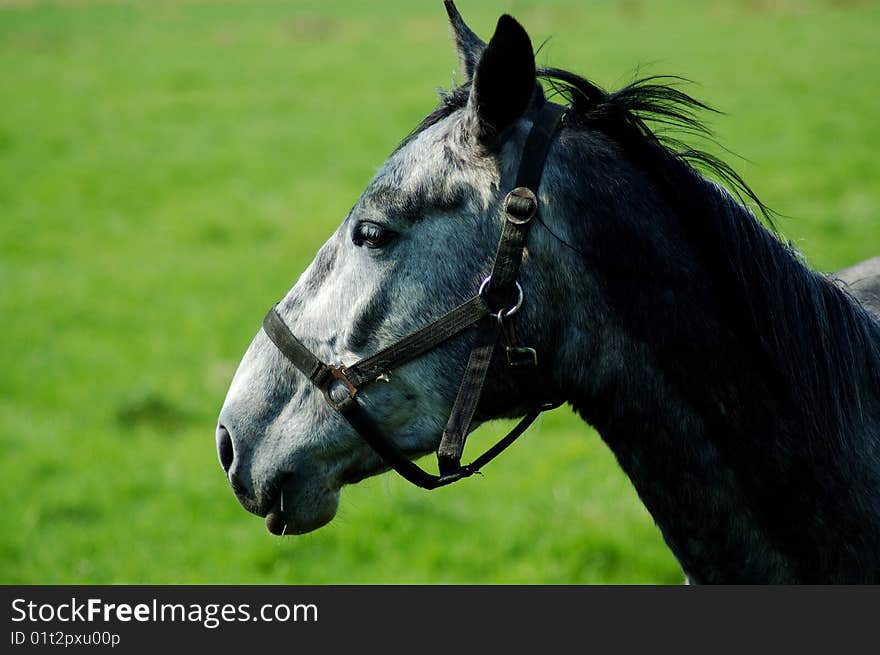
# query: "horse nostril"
[224,448]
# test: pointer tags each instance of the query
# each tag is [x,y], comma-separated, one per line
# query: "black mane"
[813,342]
[624,116]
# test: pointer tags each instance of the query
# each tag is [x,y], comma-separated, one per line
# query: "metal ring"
[523,194]
[510,311]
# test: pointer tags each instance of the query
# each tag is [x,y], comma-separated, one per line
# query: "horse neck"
[741,484]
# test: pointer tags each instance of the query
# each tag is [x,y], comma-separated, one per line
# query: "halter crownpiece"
[340,384]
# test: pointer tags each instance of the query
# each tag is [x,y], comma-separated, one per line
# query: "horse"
[738,389]
[862,280]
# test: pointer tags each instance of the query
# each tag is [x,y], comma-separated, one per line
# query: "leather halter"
[340,384]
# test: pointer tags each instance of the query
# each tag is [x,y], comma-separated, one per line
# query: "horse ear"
[468,44]
[504,81]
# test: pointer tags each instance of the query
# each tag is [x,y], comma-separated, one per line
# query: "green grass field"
[167,169]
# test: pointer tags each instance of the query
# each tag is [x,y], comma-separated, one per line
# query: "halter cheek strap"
[341,384]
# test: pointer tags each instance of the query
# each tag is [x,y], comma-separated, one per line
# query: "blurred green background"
[167,169]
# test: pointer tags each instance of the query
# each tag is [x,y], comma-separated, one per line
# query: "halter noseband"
[340,384]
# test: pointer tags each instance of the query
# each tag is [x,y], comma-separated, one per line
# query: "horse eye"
[371,235]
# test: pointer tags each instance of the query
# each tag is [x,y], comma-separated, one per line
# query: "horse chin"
[298,511]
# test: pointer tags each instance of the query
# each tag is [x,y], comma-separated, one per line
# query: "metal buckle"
[517,356]
[338,373]
[522,356]
[520,205]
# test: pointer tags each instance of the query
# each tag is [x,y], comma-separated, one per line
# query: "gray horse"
[863,282]
[739,390]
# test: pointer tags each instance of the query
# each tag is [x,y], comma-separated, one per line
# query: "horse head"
[419,241]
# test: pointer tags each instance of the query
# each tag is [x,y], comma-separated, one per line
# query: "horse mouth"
[284,518]
[276,521]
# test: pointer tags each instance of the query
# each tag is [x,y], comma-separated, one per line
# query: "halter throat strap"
[340,384]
